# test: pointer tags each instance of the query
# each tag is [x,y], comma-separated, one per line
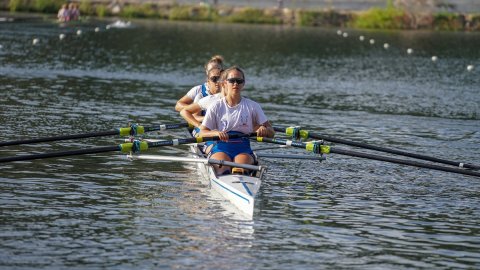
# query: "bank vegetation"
[389,17]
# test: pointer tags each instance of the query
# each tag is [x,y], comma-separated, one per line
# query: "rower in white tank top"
[234,114]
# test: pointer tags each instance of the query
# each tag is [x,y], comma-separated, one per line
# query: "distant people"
[63,13]
[74,12]
[68,12]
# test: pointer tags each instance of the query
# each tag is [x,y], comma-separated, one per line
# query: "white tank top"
[242,117]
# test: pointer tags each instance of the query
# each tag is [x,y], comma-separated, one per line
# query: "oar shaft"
[371,156]
[120,131]
[383,149]
[126,147]
[403,162]
[393,151]
[197,160]
[61,138]
[61,154]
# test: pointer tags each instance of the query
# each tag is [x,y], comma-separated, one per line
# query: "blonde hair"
[230,69]
[216,61]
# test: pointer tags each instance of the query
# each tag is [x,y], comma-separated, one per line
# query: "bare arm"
[188,114]
[183,102]
[206,132]
[265,130]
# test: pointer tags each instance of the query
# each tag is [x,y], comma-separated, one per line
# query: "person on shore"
[73,12]
[215,62]
[234,114]
[63,13]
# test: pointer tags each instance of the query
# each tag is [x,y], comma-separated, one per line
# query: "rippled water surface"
[104,211]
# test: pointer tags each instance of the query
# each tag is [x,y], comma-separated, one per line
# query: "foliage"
[86,8]
[48,6]
[193,13]
[389,18]
[474,23]
[251,15]
[448,21]
[14,5]
[141,11]
[101,10]
[321,18]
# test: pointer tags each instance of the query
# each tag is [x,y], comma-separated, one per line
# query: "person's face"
[213,81]
[234,82]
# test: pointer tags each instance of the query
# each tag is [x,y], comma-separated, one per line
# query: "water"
[104,211]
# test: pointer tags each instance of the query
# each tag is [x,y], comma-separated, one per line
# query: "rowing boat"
[240,190]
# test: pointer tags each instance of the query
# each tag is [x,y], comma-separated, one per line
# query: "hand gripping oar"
[132,130]
[317,148]
[136,146]
[300,133]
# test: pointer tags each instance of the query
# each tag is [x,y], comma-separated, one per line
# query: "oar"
[325,149]
[292,131]
[132,130]
[198,160]
[136,146]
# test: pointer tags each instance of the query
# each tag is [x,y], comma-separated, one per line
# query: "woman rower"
[190,112]
[234,114]
[203,89]
[201,104]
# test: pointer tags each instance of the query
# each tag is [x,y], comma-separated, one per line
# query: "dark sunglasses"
[214,79]
[236,80]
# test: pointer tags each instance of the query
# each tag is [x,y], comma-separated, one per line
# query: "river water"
[104,211]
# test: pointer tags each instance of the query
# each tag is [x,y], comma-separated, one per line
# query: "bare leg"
[244,159]
[221,156]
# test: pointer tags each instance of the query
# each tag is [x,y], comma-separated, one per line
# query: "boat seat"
[240,171]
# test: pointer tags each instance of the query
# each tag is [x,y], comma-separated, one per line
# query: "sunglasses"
[236,80]
[214,79]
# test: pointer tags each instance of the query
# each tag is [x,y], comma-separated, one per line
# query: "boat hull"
[240,190]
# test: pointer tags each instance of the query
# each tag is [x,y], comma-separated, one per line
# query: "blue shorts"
[233,147]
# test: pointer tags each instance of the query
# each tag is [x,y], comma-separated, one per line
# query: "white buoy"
[361,38]
[1,46]
[386,46]
[372,41]
[345,34]
[97,29]
[409,51]
[61,36]
[339,32]
[35,41]
[79,32]
[107,27]
[434,58]
[470,67]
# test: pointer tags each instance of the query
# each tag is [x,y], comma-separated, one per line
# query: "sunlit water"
[104,211]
